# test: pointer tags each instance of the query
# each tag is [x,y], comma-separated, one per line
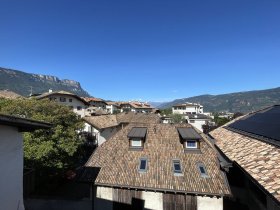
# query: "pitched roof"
[131,117]
[103,121]
[259,157]
[107,121]
[119,165]
[22,123]
[89,99]
[9,94]
[62,93]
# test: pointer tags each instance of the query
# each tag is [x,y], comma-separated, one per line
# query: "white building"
[198,120]
[101,127]
[187,108]
[76,103]
[112,107]
[11,159]
[136,106]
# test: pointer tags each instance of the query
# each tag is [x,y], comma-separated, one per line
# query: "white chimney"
[50,90]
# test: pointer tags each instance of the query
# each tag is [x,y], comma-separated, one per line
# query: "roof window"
[202,170]
[177,169]
[143,164]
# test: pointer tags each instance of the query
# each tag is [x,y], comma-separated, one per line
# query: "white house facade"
[76,103]
[187,108]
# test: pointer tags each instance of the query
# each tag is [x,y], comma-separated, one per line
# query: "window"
[191,121]
[79,107]
[143,165]
[70,99]
[61,99]
[202,170]
[177,167]
[136,143]
[191,144]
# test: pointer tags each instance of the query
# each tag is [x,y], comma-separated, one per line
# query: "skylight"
[177,167]
[202,170]
[143,165]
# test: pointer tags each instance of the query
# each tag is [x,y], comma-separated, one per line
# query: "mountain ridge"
[25,83]
[245,101]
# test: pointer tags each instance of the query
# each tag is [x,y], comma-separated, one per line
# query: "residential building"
[102,128]
[156,166]
[11,159]
[198,120]
[112,107]
[136,106]
[76,103]
[251,143]
[187,108]
[96,102]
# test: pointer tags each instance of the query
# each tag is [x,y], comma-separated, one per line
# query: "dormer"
[137,138]
[190,139]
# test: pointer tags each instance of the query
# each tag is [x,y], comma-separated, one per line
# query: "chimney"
[50,90]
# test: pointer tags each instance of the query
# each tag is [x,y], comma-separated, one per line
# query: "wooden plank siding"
[179,202]
[124,199]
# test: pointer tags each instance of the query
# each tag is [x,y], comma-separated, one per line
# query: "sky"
[148,50]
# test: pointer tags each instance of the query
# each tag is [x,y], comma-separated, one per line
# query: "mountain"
[22,83]
[155,104]
[233,102]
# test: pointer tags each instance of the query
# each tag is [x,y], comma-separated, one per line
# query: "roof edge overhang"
[162,190]
[24,125]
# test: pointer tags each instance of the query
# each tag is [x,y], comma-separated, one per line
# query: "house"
[187,108]
[76,103]
[102,128]
[136,106]
[11,159]
[112,107]
[156,166]
[198,120]
[9,94]
[96,102]
[252,144]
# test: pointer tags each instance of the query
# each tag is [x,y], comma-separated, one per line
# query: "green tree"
[166,112]
[55,148]
[177,118]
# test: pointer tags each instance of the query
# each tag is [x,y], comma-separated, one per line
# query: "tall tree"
[54,148]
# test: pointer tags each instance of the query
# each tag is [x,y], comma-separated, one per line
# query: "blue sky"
[153,50]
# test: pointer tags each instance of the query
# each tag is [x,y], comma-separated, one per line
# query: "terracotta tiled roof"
[9,94]
[107,121]
[119,165]
[103,121]
[260,159]
[89,99]
[131,117]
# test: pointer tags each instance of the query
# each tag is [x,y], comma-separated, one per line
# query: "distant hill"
[21,83]
[233,102]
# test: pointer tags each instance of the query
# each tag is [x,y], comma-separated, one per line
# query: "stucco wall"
[198,123]
[153,200]
[207,203]
[11,164]
[75,103]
